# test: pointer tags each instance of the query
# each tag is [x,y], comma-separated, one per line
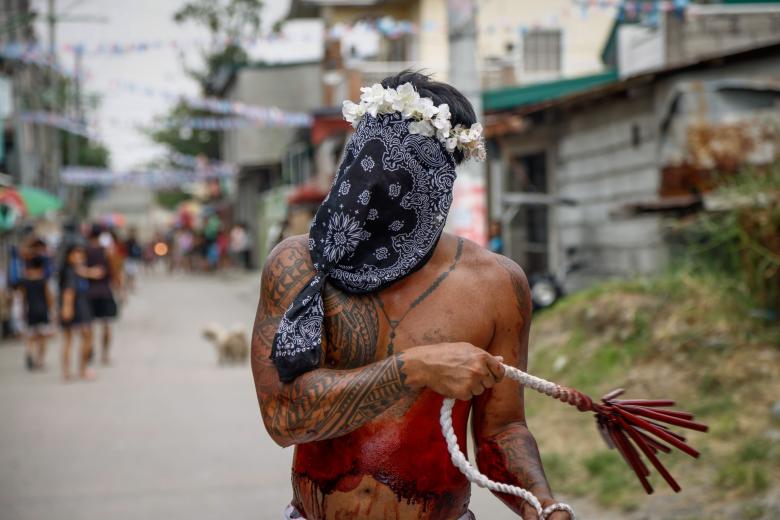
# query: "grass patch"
[753,511]
[744,472]
[685,335]
[608,475]
[743,479]
[556,467]
[755,450]
[717,407]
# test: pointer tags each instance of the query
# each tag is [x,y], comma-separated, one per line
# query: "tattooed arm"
[322,403]
[506,449]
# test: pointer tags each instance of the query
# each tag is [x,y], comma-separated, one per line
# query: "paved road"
[163,433]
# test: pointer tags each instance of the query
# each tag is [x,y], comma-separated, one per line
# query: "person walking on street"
[101,279]
[75,311]
[239,246]
[37,300]
[134,259]
[115,253]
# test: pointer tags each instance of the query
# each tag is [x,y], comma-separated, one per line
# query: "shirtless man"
[365,423]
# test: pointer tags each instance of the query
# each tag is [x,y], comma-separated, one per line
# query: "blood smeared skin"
[493,462]
[407,454]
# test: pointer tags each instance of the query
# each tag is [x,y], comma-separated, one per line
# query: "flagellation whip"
[630,426]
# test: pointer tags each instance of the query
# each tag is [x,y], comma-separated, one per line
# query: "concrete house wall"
[706,30]
[717,28]
[606,158]
[293,87]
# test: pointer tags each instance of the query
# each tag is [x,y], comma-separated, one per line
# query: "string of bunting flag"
[270,116]
[75,126]
[387,26]
[202,163]
[211,123]
[30,55]
[152,178]
[60,121]
[248,42]
[119,48]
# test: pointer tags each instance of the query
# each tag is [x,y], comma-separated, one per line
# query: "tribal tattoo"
[286,272]
[323,403]
[326,403]
[351,330]
[512,456]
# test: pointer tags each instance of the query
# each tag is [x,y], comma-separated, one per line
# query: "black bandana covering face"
[380,222]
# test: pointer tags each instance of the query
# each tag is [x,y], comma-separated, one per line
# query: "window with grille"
[542,50]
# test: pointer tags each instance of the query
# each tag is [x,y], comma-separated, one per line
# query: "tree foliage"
[90,153]
[185,140]
[742,237]
[231,23]
[232,19]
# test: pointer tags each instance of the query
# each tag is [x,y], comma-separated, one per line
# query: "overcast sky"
[142,21]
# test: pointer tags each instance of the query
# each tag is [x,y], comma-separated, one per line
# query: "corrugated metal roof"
[514,97]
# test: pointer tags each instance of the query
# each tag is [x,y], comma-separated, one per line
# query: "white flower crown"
[430,120]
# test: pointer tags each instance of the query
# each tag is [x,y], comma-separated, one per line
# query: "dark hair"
[36,262]
[65,267]
[461,111]
[95,230]
[69,251]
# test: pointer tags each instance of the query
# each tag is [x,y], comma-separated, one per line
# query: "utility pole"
[51,18]
[61,101]
[54,153]
[73,193]
[469,208]
[73,143]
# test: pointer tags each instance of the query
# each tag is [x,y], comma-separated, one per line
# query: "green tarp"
[38,202]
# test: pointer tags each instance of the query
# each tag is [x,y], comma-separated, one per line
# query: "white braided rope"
[472,473]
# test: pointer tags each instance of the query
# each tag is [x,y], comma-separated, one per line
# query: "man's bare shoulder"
[497,275]
[286,270]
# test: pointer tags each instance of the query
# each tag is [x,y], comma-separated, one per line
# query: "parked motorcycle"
[548,288]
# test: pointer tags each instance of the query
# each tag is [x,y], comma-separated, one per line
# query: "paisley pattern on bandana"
[365,243]
[367,163]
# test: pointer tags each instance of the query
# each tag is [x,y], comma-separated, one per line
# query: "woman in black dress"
[37,300]
[75,310]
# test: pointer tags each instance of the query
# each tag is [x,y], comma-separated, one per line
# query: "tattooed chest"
[356,332]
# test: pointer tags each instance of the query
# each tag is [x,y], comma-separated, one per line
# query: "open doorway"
[529,218]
